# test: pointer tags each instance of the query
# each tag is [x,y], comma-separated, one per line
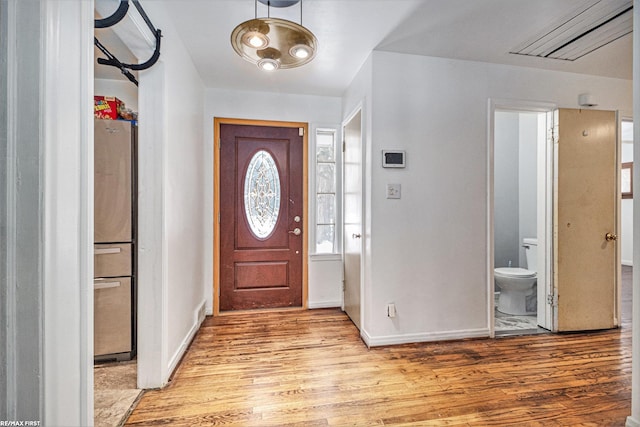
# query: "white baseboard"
[198,316]
[373,341]
[632,422]
[627,262]
[324,304]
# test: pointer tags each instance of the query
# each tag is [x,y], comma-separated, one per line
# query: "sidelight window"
[326,209]
[262,194]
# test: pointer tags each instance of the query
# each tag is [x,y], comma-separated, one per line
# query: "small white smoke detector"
[586,100]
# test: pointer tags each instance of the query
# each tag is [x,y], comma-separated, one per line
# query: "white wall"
[171,206]
[47,352]
[506,189]
[123,89]
[325,272]
[527,182]
[436,109]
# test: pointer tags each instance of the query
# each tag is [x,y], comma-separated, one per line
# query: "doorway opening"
[520,172]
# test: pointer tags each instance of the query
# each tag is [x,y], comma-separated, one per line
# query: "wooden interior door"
[585,213]
[261,210]
[353,217]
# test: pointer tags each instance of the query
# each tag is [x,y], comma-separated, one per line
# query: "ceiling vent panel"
[593,26]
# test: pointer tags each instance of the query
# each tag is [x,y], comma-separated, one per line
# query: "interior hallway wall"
[47,219]
[633,420]
[437,110]
[4,282]
[171,265]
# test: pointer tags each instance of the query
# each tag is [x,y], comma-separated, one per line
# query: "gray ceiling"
[348,30]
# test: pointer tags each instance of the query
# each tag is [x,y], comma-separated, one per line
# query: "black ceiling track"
[575,39]
[111,60]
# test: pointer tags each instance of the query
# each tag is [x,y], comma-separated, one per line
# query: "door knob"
[610,237]
[355,236]
[296,231]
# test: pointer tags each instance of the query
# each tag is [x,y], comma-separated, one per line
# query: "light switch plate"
[393,191]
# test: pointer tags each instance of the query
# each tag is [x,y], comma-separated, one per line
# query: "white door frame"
[495,104]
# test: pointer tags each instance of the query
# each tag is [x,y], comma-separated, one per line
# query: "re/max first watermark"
[19,423]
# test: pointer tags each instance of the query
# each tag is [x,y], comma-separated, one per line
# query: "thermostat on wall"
[393,159]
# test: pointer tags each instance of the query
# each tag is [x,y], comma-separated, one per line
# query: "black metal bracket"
[111,60]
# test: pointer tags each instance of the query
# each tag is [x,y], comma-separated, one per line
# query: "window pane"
[325,150]
[325,237]
[326,178]
[262,194]
[326,209]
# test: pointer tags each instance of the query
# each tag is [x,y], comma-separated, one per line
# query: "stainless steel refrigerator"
[114,237]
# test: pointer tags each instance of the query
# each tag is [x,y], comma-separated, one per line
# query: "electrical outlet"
[393,191]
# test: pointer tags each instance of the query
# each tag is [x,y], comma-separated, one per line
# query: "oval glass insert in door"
[262,194]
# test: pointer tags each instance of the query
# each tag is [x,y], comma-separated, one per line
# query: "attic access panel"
[585,30]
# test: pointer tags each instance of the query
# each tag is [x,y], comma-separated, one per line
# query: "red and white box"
[106,107]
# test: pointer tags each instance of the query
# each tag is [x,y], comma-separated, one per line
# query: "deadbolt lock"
[610,237]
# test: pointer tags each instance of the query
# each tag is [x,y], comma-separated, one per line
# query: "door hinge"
[552,300]
[344,286]
[300,131]
[344,146]
[218,217]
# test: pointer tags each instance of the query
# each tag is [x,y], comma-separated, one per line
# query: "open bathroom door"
[586,192]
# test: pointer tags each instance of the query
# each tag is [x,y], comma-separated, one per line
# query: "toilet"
[517,283]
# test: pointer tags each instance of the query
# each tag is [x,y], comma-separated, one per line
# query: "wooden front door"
[261,206]
[585,220]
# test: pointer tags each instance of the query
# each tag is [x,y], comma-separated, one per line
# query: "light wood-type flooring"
[310,368]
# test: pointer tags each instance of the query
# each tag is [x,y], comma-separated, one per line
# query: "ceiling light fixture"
[273,43]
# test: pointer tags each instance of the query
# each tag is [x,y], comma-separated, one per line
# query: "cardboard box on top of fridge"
[107,107]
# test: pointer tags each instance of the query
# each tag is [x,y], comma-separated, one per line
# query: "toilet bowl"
[517,283]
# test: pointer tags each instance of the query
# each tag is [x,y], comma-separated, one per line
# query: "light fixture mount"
[277,43]
[279,3]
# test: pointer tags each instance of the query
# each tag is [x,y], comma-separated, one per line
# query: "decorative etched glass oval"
[262,194]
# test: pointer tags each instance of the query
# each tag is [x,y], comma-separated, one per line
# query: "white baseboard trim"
[627,262]
[632,422]
[373,341]
[198,316]
[324,304]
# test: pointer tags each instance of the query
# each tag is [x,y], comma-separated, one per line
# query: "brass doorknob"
[610,237]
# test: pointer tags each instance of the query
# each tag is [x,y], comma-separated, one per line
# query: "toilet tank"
[530,245]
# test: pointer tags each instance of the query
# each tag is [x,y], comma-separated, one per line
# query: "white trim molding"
[375,341]
[66,164]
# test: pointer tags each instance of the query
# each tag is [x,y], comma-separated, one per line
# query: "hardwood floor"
[310,368]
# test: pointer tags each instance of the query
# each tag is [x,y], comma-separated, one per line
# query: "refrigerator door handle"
[105,285]
[104,251]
